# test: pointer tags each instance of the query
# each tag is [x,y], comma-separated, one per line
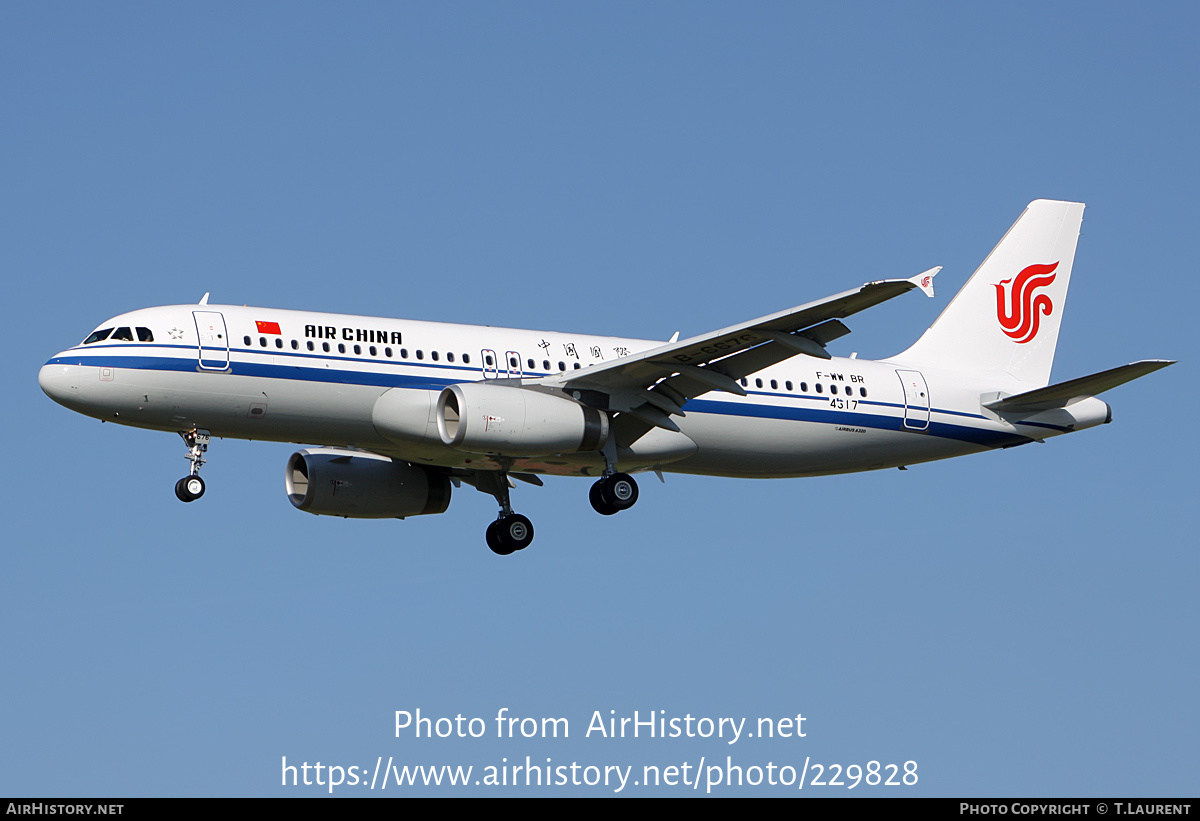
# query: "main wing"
[653,385]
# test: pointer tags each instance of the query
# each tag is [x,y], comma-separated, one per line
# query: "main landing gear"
[511,531]
[613,493]
[191,487]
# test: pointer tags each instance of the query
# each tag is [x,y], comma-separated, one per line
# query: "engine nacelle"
[405,416]
[479,417]
[359,485]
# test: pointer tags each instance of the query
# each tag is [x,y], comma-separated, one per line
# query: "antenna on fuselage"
[204,299]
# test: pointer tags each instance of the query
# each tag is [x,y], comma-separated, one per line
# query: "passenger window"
[862,392]
[310,344]
[325,347]
[788,384]
[122,335]
[358,350]
[246,340]
[488,359]
[98,336]
[513,363]
[420,354]
[279,342]
[833,388]
[371,350]
[466,359]
[576,366]
[758,383]
[530,363]
[545,364]
[144,335]
[745,382]
[262,340]
[387,352]
[449,357]
[295,345]
[774,385]
[818,387]
[404,353]
[803,387]
[562,366]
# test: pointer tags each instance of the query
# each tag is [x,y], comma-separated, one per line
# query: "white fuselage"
[316,378]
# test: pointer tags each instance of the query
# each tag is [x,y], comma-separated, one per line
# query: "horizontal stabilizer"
[1065,393]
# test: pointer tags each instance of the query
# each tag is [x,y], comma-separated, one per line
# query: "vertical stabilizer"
[1006,318]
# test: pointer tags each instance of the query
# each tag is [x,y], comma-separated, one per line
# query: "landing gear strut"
[511,531]
[191,487]
[613,494]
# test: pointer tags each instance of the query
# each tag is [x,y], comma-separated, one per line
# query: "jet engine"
[479,417]
[360,485]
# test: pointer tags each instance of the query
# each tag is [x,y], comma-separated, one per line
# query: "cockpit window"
[97,336]
[122,335]
[144,335]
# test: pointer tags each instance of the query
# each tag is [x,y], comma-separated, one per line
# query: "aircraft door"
[213,341]
[487,361]
[514,364]
[916,400]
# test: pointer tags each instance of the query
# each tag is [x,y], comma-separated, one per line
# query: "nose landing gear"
[191,487]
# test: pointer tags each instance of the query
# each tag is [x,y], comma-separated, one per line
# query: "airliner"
[397,413]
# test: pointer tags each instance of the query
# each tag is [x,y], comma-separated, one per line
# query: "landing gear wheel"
[596,497]
[620,491]
[189,488]
[516,531]
[493,540]
[509,534]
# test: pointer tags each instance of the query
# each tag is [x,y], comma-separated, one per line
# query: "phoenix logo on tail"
[1019,319]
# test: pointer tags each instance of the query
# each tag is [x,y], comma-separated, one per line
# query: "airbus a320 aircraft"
[403,409]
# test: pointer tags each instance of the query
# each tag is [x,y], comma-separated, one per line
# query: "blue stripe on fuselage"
[270,370]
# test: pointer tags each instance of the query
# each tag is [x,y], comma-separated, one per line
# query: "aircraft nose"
[59,382]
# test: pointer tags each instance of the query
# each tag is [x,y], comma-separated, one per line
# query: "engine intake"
[359,485]
[479,417]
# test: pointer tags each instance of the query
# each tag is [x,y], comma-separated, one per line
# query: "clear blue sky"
[1017,623]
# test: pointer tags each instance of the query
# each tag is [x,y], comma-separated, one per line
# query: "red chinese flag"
[268,327]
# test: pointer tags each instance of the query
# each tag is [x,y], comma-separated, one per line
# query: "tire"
[620,491]
[596,497]
[493,540]
[189,488]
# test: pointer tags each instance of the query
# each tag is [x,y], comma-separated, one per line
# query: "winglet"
[204,299]
[924,280]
